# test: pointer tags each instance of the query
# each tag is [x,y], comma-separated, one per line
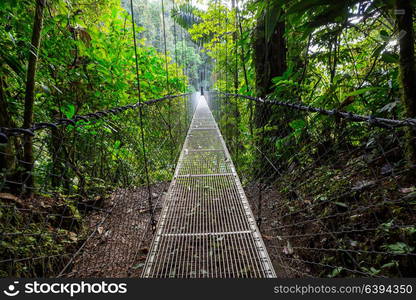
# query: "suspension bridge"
[206,228]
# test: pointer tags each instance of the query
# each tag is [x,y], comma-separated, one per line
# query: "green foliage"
[32,239]
[86,63]
[86,59]
[399,248]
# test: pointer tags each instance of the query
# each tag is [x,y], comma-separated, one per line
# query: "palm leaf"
[185,15]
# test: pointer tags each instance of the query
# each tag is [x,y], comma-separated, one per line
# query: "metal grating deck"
[206,228]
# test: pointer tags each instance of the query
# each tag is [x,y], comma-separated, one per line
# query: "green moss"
[36,247]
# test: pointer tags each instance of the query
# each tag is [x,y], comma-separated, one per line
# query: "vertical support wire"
[186,60]
[139,93]
[186,108]
[182,58]
[218,71]
[243,62]
[236,83]
[227,99]
[175,40]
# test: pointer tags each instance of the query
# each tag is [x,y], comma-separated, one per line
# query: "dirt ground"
[120,235]
[263,203]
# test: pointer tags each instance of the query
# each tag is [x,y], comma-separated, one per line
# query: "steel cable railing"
[381,122]
[5,132]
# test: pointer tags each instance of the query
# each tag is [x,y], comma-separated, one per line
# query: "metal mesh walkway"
[206,228]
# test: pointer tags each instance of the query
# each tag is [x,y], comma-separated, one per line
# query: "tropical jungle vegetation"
[63,58]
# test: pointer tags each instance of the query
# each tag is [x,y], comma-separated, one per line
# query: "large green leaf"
[273,13]
[69,111]
[390,57]
[363,91]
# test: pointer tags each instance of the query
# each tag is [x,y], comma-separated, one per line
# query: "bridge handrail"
[5,132]
[376,121]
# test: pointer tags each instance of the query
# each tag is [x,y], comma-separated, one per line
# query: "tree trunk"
[269,62]
[30,91]
[407,70]
[6,150]
[58,176]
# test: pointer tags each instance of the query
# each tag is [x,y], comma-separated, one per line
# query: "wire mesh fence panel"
[333,195]
[86,202]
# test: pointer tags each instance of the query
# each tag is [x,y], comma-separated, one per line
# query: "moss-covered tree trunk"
[269,58]
[30,91]
[405,12]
